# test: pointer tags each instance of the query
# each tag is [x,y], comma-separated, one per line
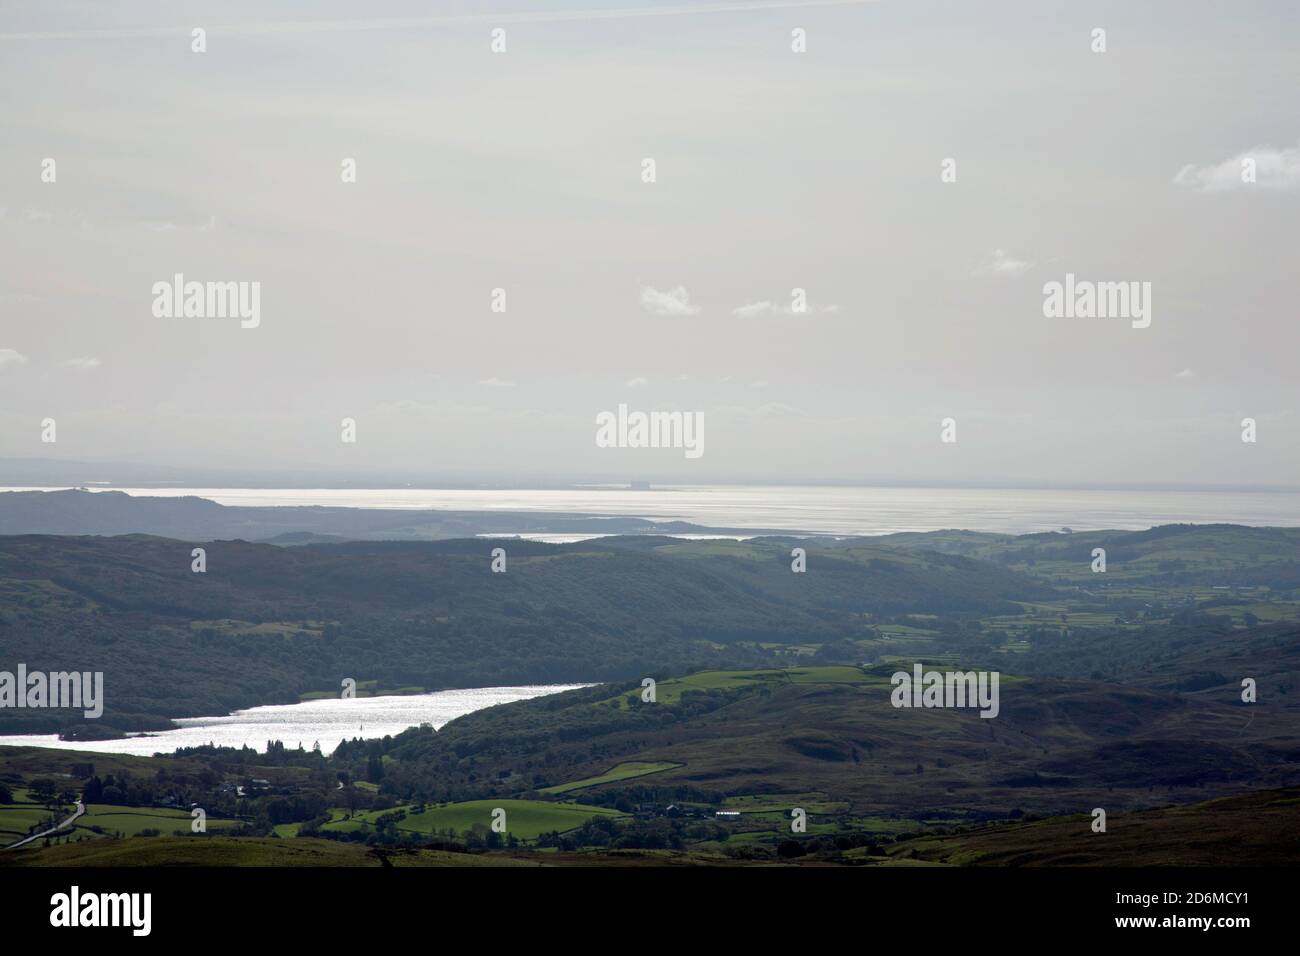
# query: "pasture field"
[17,820]
[226,627]
[670,691]
[525,819]
[623,771]
[130,821]
[784,803]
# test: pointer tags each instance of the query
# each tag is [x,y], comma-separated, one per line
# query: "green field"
[17,820]
[226,627]
[525,819]
[623,771]
[129,821]
[670,691]
[784,802]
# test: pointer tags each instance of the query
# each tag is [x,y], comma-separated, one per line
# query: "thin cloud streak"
[466,19]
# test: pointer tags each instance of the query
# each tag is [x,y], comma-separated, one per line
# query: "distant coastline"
[686,510]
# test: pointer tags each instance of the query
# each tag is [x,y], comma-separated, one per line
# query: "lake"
[327,721]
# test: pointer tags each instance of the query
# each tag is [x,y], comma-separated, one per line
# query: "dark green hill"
[1056,746]
[265,624]
[1227,556]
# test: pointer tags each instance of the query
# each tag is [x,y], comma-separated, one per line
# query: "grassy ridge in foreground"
[1258,829]
[232,851]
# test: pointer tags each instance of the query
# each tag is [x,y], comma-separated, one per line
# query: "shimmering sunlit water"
[326,721]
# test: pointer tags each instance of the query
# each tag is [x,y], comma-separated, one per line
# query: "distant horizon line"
[650,485]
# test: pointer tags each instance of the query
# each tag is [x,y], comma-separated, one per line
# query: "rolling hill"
[266,624]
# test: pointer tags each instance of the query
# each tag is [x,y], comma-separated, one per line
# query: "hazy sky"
[775,170]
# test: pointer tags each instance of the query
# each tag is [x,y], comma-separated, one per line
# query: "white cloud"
[1186,373]
[496,383]
[767,412]
[1003,265]
[1274,169]
[83,363]
[754,309]
[637,382]
[461,418]
[673,302]
[169,226]
[11,357]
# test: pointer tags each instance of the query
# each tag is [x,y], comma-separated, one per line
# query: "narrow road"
[81,808]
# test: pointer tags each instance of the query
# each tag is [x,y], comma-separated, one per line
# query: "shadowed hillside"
[1055,747]
[265,624]
[1257,829]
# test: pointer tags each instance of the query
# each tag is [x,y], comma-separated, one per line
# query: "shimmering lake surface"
[326,721]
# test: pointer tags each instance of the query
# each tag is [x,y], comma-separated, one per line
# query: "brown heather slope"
[237,851]
[1257,829]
